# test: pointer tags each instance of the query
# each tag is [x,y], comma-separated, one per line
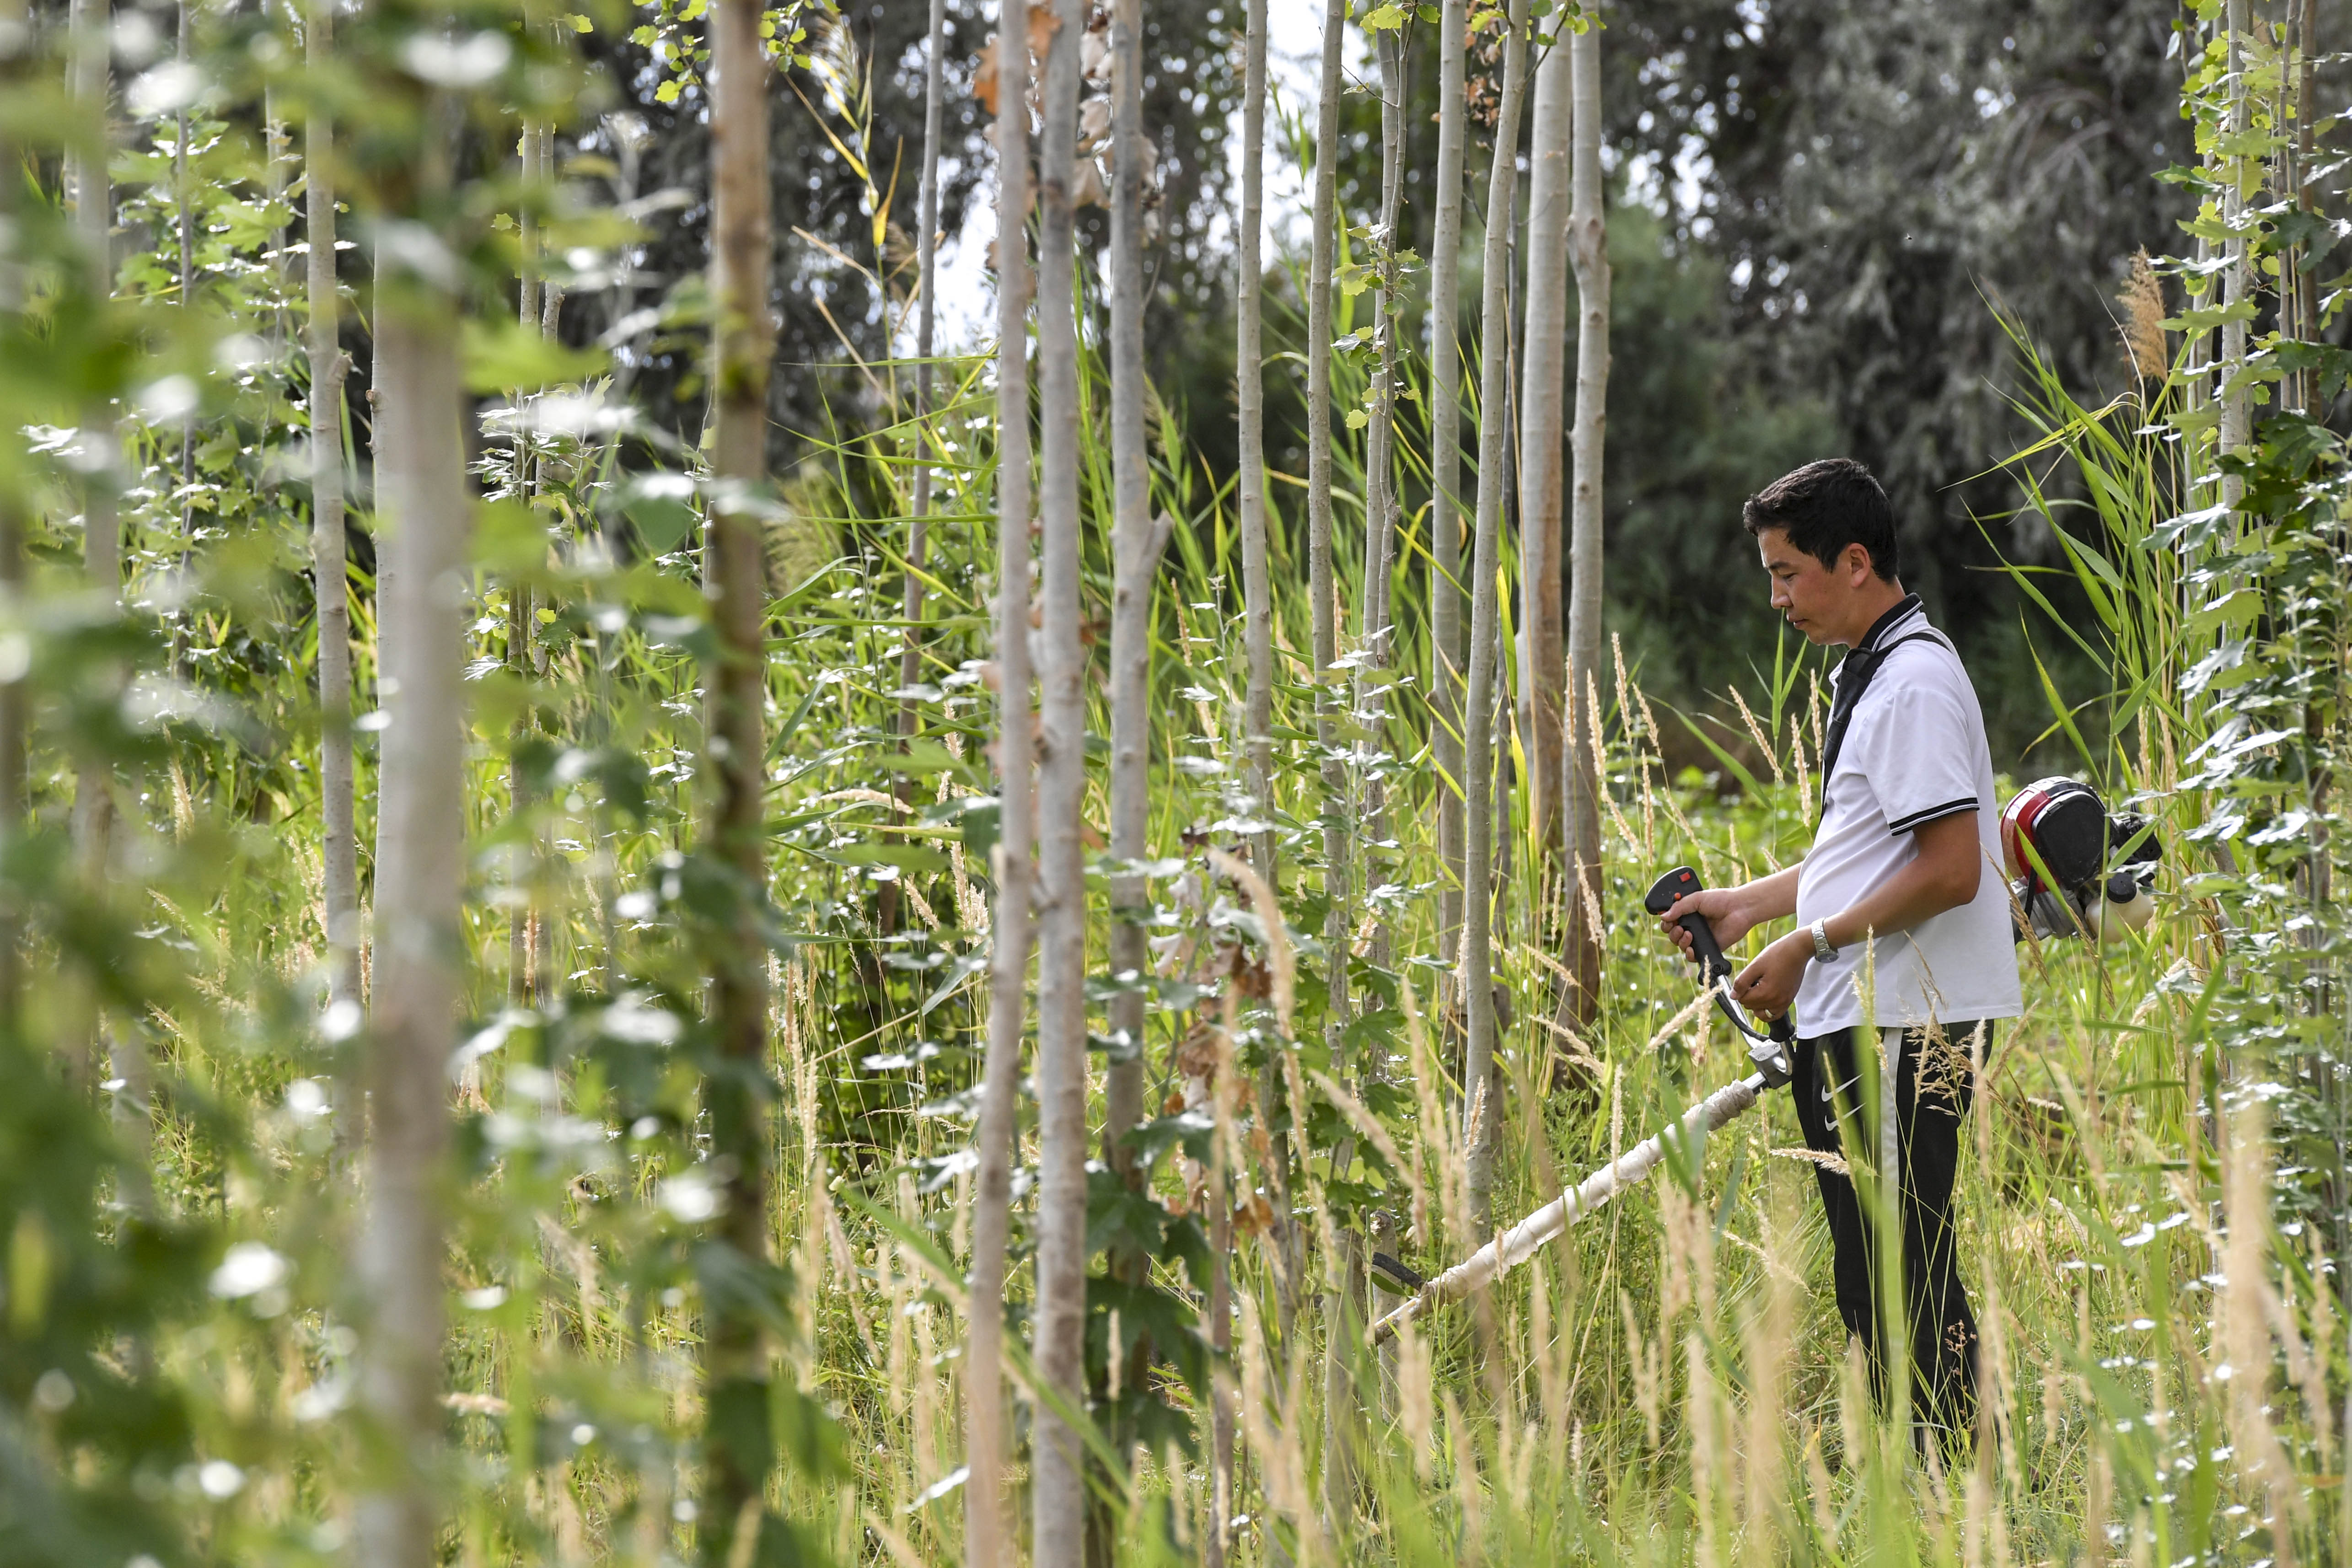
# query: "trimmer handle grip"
[1678,883]
[1771,1052]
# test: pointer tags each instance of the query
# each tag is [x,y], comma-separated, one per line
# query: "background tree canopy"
[1819,209]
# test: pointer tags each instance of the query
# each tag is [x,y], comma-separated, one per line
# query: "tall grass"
[2164,1366]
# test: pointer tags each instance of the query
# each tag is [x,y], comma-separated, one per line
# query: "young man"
[1903,921]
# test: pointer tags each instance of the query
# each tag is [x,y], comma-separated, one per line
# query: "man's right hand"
[1727,909]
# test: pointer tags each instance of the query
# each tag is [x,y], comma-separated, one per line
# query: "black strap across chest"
[1855,672]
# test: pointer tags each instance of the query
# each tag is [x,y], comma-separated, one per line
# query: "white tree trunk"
[2237,405]
[1060,1525]
[1589,229]
[1381,494]
[92,27]
[1257,611]
[424,512]
[1135,547]
[1481,1084]
[987,1540]
[1339,1446]
[1543,364]
[1445,510]
[521,981]
[736,1352]
[1380,549]
[1258,617]
[1319,581]
[918,522]
[328,569]
[13,694]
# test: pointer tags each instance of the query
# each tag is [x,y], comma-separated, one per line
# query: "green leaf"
[502,355]
[660,506]
[922,759]
[916,858]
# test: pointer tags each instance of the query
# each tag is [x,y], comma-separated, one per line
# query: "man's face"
[1820,600]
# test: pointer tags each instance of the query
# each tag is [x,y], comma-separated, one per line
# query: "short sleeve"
[1917,750]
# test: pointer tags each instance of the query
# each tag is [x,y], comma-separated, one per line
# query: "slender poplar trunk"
[550,292]
[521,981]
[276,143]
[12,715]
[101,540]
[1371,706]
[919,523]
[1221,1163]
[93,810]
[1059,1468]
[1445,512]
[737,1448]
[1135,549]
[1589,231]
[527,232]
[534,653]
[1341,1272]
[1136,545]
[2237,403]
[2305,283]
[1381,487]
[1482,1085]
[185,225]
[424,509]
[1257,611]
[339,851]
[12,693]
[987,1543]
[1542,424]
[390,569]
[1319,579]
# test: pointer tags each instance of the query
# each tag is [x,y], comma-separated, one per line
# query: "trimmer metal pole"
[1769,1051]
[1516,1245]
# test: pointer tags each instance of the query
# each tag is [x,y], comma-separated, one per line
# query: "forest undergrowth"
[579,1154]
[1671,1384]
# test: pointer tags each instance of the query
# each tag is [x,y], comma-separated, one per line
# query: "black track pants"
[1943,1330]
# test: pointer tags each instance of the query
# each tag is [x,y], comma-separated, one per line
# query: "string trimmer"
[1768,1050]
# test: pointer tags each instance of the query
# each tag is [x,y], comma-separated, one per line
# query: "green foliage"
[178,1148]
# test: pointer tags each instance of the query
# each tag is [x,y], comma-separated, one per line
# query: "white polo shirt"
[1913,751]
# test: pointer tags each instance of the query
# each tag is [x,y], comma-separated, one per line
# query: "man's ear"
[1857,565]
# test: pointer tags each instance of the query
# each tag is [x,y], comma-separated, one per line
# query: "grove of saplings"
[616,947]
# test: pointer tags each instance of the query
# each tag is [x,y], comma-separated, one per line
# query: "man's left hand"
[1768,985]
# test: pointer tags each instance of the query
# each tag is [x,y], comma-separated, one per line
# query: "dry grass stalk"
[1436,1130]
[1713,1484]
[2146,351]
[1804,774]
[1649,1376]
[1416,1411]
[1826,1160]
[1767,1344]
[2246,1310]
[1772,754]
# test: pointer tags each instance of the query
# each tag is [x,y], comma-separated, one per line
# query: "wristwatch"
[1821,948]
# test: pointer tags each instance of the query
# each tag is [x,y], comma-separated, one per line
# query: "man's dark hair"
[1823,507]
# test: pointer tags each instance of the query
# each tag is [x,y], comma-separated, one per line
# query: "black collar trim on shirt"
[1887,622]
